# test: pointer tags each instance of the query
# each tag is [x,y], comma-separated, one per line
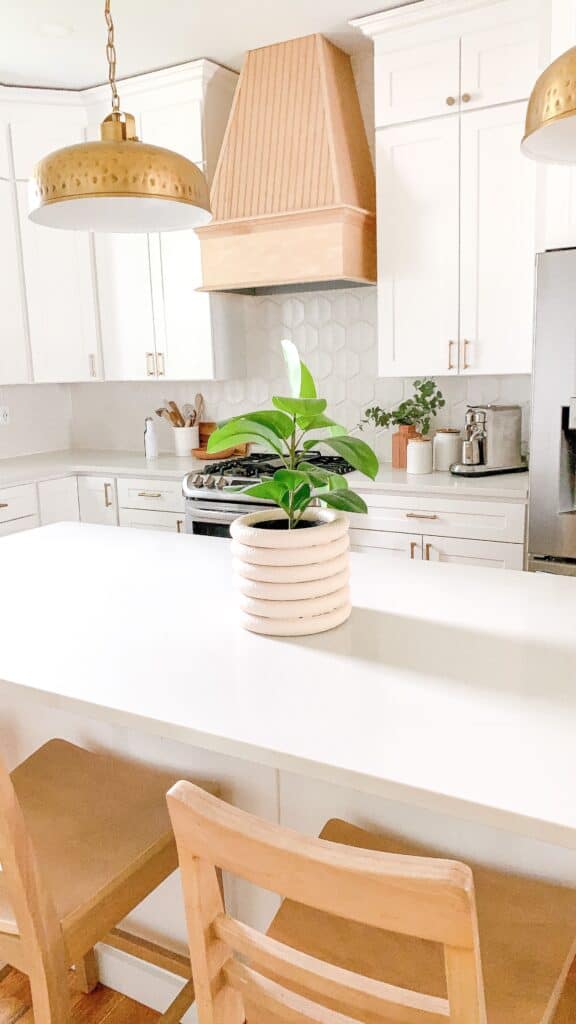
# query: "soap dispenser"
[150,439]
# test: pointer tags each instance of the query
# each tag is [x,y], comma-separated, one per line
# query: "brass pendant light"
[551,117]
[118,184]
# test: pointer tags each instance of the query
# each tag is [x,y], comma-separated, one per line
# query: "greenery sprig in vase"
[416,411]
[297,424]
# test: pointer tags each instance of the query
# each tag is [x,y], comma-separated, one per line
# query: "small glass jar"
[447,448]
[419,455]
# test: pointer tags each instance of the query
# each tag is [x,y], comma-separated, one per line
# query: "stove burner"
[261,464]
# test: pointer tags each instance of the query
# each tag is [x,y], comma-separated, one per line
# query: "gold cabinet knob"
[450,101]
[466,97]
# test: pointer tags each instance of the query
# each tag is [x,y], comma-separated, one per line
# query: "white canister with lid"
[447,448]
[419,455]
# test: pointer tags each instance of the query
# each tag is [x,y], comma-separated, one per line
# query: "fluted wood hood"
[293,197]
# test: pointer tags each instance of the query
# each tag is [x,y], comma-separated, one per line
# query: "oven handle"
[205,515]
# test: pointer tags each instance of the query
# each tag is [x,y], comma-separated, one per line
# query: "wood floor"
[102,1006]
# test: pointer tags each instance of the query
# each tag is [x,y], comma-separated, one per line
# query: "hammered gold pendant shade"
[551,117]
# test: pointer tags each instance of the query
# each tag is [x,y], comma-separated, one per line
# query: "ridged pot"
[292,582]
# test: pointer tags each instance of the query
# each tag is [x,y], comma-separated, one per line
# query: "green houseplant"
[412,417]
[284,431]
[293,580]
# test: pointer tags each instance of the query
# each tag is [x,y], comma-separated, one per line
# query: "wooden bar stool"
[373,928]
[83,839]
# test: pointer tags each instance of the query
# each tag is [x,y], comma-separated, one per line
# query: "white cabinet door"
[498,243]
[487,554]
[187,351]
[58,500]
[500,64]
[423,81]
[97,500]
[17,525]
[150,494]
[14,355]
[143,519]
[59,279]
[418,228]
[125,301]
[388,545]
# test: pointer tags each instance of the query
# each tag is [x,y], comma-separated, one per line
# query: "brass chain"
[111,57]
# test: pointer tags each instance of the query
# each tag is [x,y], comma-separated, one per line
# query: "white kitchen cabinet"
[417,168]
[17,525]
[181,333]
[440,515]
[97,500]
[487,554]
[142,519]
[58,500]
[386,544]
[497,243]
[14,351]
[434,58]
[152,494]
[18,502]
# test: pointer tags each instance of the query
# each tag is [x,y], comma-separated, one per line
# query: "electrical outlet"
[4,415]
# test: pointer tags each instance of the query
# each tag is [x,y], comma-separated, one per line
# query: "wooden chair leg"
[50,997]
[87,972]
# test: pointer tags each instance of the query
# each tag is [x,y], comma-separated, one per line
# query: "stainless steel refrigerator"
[552,509]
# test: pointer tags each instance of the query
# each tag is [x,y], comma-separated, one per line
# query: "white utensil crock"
[292,582]
[185,439]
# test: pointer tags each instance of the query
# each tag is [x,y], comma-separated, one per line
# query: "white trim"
[201,71]
[418,12]
[139,980]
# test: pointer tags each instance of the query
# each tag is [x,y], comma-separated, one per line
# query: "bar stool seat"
[527,939]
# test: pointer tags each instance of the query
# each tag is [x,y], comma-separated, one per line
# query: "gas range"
[211,507]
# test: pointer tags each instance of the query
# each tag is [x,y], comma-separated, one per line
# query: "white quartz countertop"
[50,465]
[450,687]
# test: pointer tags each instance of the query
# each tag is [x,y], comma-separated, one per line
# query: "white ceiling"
[62,42]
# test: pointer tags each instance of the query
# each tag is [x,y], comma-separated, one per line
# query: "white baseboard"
[141,981]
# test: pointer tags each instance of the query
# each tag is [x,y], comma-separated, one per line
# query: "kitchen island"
[448,719]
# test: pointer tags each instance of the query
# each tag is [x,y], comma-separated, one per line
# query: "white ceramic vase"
[292,582]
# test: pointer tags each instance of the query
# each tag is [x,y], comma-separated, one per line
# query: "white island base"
[444,709]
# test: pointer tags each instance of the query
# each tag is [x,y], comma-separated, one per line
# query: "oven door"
[213,519]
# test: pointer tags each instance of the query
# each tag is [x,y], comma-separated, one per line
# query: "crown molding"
[416,13]
[199,71]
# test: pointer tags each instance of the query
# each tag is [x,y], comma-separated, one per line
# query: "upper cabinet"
[457,202]
[48,275]
[154,321]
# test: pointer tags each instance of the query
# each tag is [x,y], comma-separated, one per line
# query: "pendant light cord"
[111,58]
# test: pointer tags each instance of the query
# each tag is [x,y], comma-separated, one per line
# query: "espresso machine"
[492,441]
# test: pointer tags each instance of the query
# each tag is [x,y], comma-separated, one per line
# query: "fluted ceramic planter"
[292,582]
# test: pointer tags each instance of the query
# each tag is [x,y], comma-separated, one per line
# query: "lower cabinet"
[146,519]
[97,500]
[18,509]
[16,525]
[389,545]
[58,500]
[485,553]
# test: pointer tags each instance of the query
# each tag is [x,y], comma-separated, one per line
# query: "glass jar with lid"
[419,455]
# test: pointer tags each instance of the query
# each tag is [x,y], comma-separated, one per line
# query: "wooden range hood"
[293,197]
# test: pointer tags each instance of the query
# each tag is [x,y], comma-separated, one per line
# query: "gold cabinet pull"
[3,504]
[466,97]
[421,515]
[450,363]
[92,364]
[179,525]
[466,364]
[450,101]
[427,550]
[150,367]
[149,494]
[107,495]
[413,546]
[160,364]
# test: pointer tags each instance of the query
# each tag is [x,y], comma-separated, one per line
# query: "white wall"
[40,419]
[335,332]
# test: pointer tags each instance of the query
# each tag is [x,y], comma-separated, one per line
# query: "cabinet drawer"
[160,495]
[17,525]
[143,519]
[391,545]
[487,554]
[16,502]
[447,517]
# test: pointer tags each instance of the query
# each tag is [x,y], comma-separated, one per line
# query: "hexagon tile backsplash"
[335,332]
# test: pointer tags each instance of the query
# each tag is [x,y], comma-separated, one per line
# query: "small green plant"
[416,411]
[283,431]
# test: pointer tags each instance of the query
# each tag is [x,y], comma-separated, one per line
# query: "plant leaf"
[300,406]
[355,451]
[278,422]
[270,490]
[293,365]
[290,479]
[243,430]
[307,385]
[302,497]
[346,501]
[320,422]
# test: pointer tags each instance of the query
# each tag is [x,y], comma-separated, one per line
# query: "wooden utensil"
[179,420]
